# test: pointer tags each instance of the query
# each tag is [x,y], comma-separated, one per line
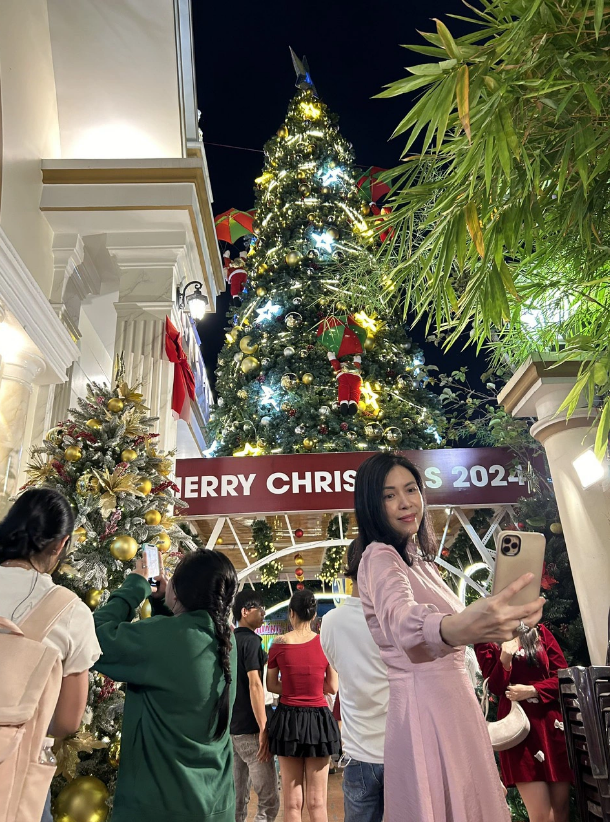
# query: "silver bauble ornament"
[265,420]
[239,356]
[324,410]
[289,351]
[293,320]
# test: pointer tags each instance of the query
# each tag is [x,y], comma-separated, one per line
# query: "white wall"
[97,323]
[117,78]
[29,130]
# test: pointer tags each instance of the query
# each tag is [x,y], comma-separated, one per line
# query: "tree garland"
[262,537]
[334,560]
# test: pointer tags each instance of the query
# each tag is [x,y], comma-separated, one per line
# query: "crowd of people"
[198,735]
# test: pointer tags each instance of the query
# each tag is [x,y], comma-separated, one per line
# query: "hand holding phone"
[519,553]
[151,554]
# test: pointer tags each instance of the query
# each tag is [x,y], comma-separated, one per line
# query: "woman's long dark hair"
[206,581]
[373,525]
[36,520]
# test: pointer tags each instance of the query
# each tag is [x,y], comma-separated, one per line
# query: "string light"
[323,242]
[370,397]
[268,398]
[310,110]
[368,323]
[248,451]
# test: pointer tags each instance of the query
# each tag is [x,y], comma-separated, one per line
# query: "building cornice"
[24,299]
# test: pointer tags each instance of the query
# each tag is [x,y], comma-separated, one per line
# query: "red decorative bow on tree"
[184,379]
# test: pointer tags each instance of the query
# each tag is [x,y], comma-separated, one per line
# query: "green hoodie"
[171,769]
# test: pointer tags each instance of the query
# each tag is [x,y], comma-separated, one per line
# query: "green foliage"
[308,218]
[500,221]
[262,546]
[334,558]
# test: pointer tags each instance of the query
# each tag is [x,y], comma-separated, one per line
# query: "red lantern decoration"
[299,572]
[298,533]
[300,586]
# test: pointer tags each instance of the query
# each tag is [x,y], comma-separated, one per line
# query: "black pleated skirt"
[303,732]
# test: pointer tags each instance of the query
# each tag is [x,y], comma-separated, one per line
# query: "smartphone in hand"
[151,553]
[519,552]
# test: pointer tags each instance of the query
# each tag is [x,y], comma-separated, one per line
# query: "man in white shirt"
[363,695]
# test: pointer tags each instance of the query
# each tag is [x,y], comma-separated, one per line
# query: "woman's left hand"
[517,693]
[141,567]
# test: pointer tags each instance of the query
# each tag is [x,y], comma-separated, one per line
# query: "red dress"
[546,739]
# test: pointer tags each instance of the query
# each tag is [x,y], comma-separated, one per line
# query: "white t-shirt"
[74,632]
[363,680]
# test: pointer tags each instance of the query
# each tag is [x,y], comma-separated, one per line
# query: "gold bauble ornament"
[298,559]
[365,209]
[309,148]
[393,435]
[307,378]
[94,425]
[54,436]
[292,258]
[163,542]
[283,131]
[243,395]
[304,190]
[285,406]
[308,444]
[83,800]
[289,381]
[325,190]
[332,232]
[262,268]
[341,306]
[249,364]
[261,291]
[124,547]
[247,346]
[144,486]
[301,174]
[73,453]
[373,431]
[80,534]
[114,749]
[92,597]
[369,344]
[128,455]
[153,517]
[556,528]
[115,405]
[219,541]
[145,610]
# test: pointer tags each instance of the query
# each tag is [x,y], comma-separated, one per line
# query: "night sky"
[245,80]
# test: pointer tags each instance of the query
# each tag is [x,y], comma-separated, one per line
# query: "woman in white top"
[34,537]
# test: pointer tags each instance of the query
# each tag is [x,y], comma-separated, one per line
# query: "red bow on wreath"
[184,379]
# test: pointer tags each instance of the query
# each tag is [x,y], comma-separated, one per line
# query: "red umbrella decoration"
[342,335]
[233,224]
[371,186]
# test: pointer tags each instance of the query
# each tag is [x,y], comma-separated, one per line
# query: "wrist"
[450,633]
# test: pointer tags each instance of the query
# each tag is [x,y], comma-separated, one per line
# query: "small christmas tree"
[104,461]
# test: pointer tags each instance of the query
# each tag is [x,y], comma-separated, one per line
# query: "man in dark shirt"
[252,764]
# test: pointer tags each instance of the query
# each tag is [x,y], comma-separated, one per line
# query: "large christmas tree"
[304,368]
[104,460]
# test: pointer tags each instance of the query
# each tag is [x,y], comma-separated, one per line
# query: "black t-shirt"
[250,657]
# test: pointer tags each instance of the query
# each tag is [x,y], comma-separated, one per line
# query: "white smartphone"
[519,552]
[151,553]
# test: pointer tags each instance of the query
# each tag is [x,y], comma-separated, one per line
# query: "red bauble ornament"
[261,378]
[298,533]
[299,572]
[344,426]
[292,412]
[521,526]
[323,429]
[300,586]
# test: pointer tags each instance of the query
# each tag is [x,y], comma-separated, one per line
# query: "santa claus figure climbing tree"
[303,367]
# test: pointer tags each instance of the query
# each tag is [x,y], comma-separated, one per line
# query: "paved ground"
[335,802]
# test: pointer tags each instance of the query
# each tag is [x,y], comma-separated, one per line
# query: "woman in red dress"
[538,766]
[303,733]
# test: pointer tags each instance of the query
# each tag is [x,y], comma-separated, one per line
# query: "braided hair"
[206,581]
[39,518]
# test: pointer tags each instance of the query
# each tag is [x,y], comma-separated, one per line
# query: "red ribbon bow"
[184,379]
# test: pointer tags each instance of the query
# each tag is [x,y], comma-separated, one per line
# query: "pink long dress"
[439,765]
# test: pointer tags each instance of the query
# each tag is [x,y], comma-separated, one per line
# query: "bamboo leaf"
[507,279]
[474,227]
[432,68]
[593,98]
[463,99]
[599,16]
[603,429]
[573,398]
[447,40]
[405,86]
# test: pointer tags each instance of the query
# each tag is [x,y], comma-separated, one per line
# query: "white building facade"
[105,211]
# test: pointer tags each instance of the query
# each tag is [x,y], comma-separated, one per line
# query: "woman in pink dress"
[439,765]
[526,672]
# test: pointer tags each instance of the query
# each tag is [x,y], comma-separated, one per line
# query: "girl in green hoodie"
[179,667]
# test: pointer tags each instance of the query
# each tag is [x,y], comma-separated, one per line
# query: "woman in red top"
[538,766]
[302,733]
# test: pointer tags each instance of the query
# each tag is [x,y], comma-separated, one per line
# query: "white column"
[538,391]
[140,338]
[18,375]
